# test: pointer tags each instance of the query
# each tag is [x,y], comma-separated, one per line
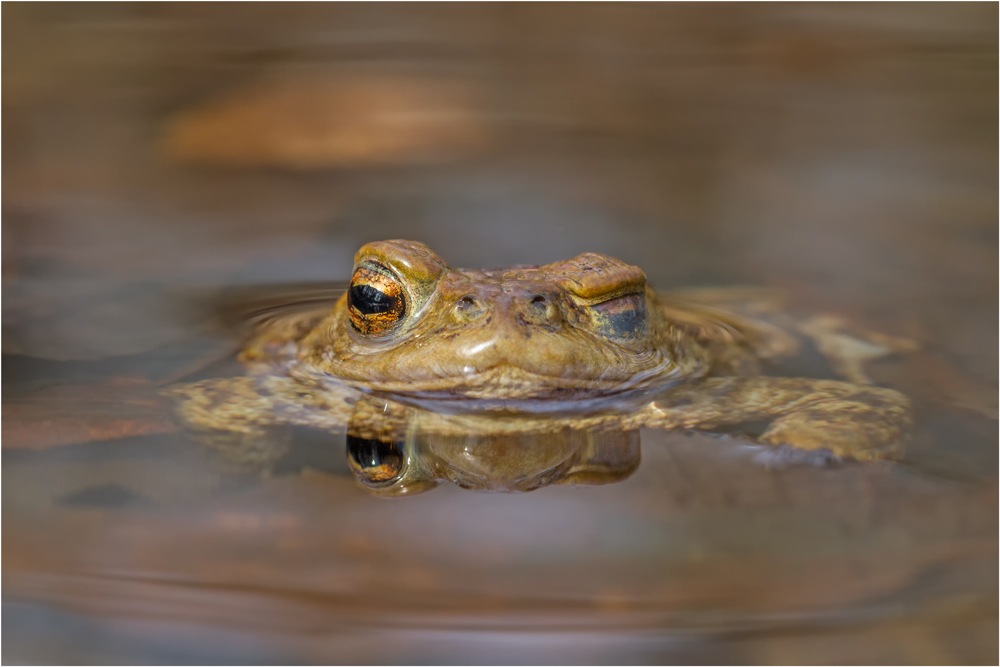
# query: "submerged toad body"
[440,373]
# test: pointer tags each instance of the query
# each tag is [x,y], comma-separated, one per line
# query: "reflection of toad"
[418,351]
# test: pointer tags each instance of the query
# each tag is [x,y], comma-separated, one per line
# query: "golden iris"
[375,300]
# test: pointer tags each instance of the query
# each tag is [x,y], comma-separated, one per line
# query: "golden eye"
[375,300]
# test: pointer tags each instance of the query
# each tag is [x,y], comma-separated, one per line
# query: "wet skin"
[515,378]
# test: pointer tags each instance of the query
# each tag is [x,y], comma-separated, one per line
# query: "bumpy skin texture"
[581,346]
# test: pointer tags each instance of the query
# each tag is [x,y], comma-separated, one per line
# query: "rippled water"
[166,165]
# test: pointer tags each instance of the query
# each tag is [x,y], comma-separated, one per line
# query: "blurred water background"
[156,156]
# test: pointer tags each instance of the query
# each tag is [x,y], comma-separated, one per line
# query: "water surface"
[160,159]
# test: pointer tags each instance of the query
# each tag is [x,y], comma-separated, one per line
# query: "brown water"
[162,159]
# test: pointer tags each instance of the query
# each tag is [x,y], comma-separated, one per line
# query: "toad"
[515,378]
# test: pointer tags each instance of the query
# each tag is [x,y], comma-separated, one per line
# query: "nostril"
[468,309]
[539,310]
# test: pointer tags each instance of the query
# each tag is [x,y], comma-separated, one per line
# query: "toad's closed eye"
[622,317]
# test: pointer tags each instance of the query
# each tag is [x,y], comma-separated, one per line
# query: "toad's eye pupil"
[370,301]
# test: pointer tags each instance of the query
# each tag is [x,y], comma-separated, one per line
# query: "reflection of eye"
[375,300]
[623,317]
[373,461]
